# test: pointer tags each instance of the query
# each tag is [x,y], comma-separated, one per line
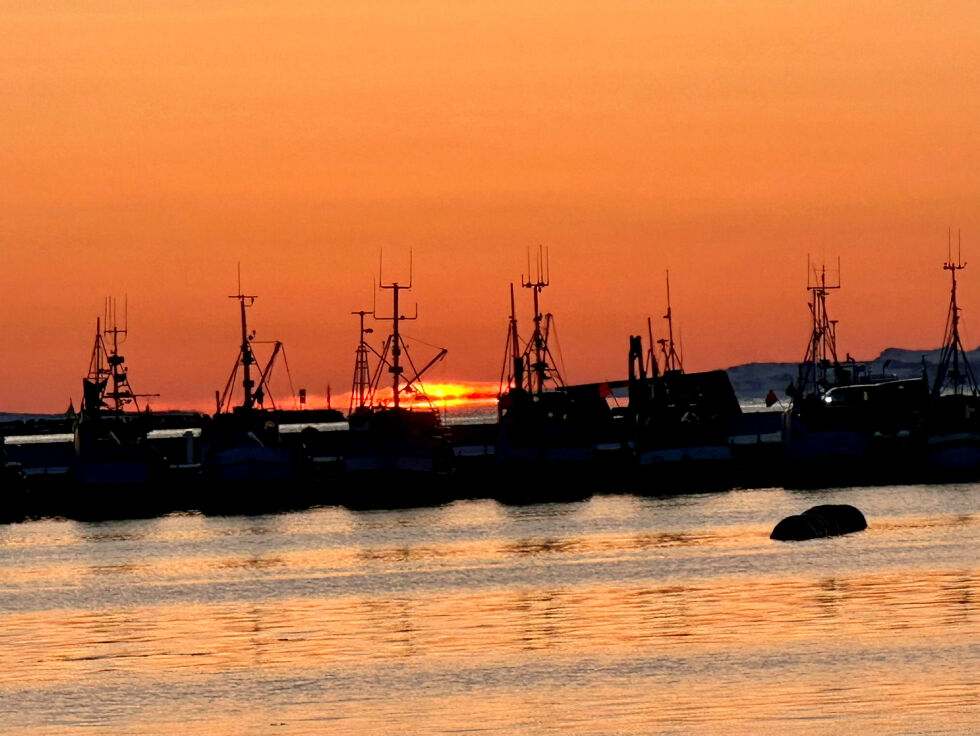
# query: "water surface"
[617,615]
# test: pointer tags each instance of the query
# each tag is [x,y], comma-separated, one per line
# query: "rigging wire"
[289,376]
[427,344]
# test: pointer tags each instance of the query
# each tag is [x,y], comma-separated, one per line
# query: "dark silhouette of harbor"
[657,430]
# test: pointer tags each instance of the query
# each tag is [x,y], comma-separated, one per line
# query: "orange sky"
[147,148]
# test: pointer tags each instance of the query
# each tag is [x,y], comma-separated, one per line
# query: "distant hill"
[753,381]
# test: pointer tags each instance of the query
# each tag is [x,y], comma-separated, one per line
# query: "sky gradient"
[148,148]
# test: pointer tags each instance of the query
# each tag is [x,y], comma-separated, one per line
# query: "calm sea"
[617,615]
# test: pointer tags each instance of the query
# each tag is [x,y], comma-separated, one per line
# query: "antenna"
[246,358]
[540,368]
[395,340]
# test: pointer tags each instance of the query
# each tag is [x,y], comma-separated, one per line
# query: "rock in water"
[797,528]
[827,520]
[839,518]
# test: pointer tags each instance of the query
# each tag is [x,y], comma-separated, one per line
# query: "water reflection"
[251,563]
[540,613]
[673,539]
[958,595]
[122,533]
[127,568]
[828,596]
[397,554]
[535,547]
[542,511]
[250,526]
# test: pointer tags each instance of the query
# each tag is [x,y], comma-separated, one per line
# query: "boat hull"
[954,455]
[251,464]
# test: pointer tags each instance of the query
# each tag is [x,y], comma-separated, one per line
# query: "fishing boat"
[245,467]
[548,432]
[684,421]
[953,423]
[398,453]
[846,426]
[116,472]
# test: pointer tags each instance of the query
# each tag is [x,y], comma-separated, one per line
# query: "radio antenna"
[395,342]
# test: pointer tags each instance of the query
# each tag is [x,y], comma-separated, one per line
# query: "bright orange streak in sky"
[453,395]
[437,395]
[146,149]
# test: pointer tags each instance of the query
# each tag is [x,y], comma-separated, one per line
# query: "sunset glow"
[149,148]
[437,395]
[460,394]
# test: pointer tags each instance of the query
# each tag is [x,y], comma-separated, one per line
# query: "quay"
[40,477]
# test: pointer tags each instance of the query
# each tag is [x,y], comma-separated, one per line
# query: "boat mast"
[96,366]
[821,352]
[651,354]
[672,361]
[246,358]
[539,366]
[122,392]
[538,344]
[361,389]
[115,360]
[513,355]
[516,357]
[953,350]
[395,341]
[107,364]
[95,381]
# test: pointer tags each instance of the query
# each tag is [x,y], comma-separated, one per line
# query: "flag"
[604,390]
[771,398]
